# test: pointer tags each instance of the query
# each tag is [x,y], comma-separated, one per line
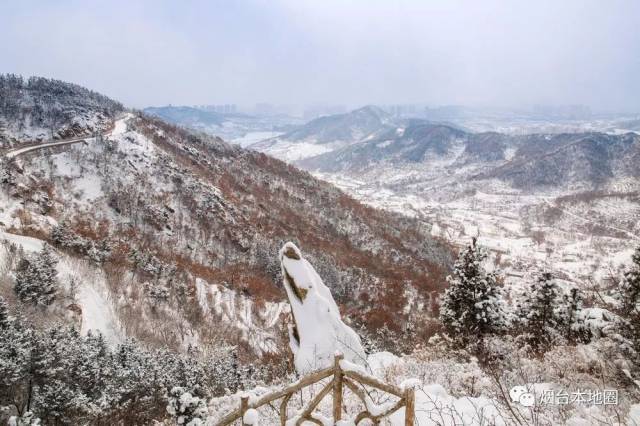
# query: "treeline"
[474,309]
[57,376]
[47,103]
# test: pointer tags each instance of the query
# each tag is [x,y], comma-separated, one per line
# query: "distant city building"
[222,108]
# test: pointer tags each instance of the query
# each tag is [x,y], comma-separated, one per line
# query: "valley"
[536,201]
[525,233]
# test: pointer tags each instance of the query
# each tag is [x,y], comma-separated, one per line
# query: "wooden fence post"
[337,388]
[244,406]
[410,407]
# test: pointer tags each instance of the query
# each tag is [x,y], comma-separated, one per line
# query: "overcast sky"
[484,53]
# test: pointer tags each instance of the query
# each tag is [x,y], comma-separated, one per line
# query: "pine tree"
[62,377]
[4,313]
[62,235]
[540,314]
[573,327]
[471,306]
[629,296]
[5,176]
[630,287]
[185,408]
[17,347]
[36,278]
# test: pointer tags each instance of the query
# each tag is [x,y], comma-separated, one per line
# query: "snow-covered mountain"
[523,195]
[237,128]
[39,108]
[200,222]
[535,162]
[347,127]
[328,133]
[415,142]
[587,160]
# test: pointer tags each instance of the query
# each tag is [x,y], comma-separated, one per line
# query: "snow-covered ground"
[253,137]
[583,242]
[293,151]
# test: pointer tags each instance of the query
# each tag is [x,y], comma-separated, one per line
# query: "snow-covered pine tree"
[541,314]
[630,287]
[63,236]
[16,366]
[471,307]
[36,278]
[5,176]
[4,313]
[629,298]
[65,378]
[572,326]
[157,292]
[185,408]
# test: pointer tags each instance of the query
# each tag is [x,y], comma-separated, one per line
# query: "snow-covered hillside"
[327,134]
[38,109]
[180,230]
[236,128]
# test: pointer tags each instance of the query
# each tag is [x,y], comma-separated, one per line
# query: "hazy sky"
[501,53]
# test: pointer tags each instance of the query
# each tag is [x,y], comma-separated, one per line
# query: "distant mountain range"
[367,138]
[230,126]
[594,159]
[186,116]
[348,127]
[413,143]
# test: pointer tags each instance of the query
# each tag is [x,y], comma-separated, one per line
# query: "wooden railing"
[351,378]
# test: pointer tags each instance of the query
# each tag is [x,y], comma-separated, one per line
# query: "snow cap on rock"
[319,331]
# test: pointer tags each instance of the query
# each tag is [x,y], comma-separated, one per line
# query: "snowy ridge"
[30,111]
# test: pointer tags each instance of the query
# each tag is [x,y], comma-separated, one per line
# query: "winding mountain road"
[19,151]
[119,125]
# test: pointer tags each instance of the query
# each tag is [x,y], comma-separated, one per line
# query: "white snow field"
[582,241]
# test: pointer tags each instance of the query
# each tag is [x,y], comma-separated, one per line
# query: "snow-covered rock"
[319,332]
[381,361]
[600,321]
